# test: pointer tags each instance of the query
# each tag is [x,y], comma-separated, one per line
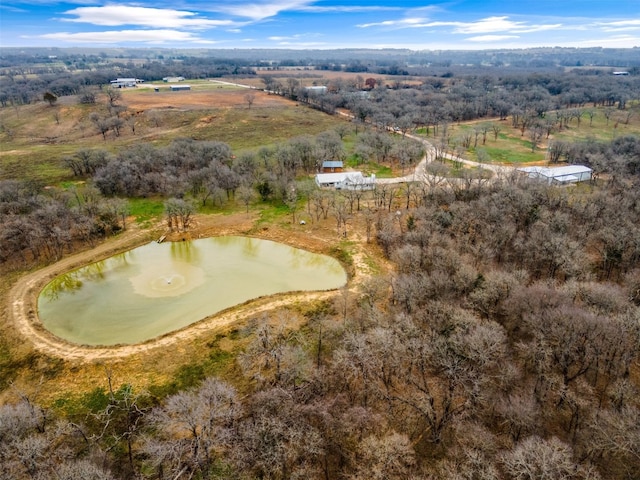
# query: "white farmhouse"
[346,181]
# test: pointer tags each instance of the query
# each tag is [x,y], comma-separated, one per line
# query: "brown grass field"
[34,139]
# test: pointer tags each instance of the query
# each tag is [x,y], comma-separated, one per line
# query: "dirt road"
[24,294]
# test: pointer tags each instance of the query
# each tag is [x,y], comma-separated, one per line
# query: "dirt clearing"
[200,97]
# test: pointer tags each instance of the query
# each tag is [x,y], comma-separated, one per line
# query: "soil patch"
[200,99]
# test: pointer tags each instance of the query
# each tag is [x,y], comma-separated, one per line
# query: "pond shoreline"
[23,298]
[155,289]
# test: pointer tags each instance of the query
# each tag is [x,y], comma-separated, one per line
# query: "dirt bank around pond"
[23,296]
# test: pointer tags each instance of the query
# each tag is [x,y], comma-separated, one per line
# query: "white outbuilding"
[559,175]
[126,82]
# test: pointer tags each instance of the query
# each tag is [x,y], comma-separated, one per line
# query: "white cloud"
[539,28]
[117,15]
[487,25]
[260,10]
[347,8]
[125,36]
[296,37]
[623,23]
[302,44]
[620,26]
[491,38]
[495,24]
[403,23]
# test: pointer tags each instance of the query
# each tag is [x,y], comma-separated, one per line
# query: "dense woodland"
[504,345]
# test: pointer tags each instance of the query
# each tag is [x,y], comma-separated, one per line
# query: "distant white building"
[346,181]
[126,82]
[316,89]
[172,79]
[559,175]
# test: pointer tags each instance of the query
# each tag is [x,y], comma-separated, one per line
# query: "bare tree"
[496,128]
[246,195]
[50,98]
[276,440]
[192,430]
[250,98]
[113,95]
[537,459]
[386,457]
[341,213]
[535,134]
[179,214]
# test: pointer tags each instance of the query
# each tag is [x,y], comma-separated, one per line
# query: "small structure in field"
[319,89]
[125,82]
[346,181]
[177,88]
[559,175]
[332,166]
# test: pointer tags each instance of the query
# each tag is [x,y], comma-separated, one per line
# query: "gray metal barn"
[559,175]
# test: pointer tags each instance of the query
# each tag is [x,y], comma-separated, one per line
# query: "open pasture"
[34,139]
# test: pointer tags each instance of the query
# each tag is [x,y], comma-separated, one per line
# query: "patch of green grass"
[226,208]
[274,213]
[146,210]
[383,171]
[190,375]
[342,253]
[512,147]
[372,264]
[511,155]
[367,168]
[37,163]
[9,367]
[80,405]
[246,129]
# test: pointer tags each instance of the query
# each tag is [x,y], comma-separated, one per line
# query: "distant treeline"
[26,75]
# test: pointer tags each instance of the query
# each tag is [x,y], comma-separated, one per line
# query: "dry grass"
[34,139]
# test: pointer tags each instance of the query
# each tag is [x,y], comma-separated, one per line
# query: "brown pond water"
[159,288]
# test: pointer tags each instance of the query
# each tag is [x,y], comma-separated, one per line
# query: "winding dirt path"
[23,298]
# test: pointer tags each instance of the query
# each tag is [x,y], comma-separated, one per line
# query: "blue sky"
[321,24]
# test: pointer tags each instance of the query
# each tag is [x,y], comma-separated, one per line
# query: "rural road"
[420,172]
[23,296]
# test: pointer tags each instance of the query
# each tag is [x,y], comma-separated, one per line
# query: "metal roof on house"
[557,172]
[329,178]
[332,163]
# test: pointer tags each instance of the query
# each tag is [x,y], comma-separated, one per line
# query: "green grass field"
[511,147]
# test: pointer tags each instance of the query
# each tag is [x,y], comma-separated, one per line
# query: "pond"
[159,288]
